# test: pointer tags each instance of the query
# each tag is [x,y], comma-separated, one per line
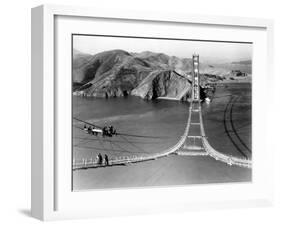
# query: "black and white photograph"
[154,112]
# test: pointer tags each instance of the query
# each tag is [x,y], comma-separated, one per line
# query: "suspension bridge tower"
[195,78]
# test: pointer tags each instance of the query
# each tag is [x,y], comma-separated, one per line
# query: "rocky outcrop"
[166,83]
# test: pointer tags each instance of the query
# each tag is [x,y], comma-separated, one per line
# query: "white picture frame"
[46,189]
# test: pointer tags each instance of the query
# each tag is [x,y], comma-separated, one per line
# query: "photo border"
[138,37]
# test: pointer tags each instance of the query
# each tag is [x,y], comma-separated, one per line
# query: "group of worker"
[92,130]
[108,131]
[100,160]
[105,131]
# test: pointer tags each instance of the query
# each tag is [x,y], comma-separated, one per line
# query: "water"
[99,108]
[158,125]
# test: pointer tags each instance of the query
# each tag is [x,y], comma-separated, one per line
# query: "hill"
[147,74]
[245,62]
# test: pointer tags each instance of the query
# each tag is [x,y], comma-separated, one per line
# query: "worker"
[104,131]
[89,129]
[111,130]
[106,159]
[99,158]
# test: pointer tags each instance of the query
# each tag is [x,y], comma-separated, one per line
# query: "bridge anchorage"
[192,143]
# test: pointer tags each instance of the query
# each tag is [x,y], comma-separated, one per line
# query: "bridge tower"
[193,143]
[195,78]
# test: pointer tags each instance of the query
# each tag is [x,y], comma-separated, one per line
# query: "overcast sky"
[213,52]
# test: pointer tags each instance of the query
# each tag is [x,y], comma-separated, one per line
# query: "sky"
[211,52]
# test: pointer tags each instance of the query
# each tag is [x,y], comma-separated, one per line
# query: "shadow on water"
[228,111]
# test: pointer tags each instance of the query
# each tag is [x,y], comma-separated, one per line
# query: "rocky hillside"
[163,83]
[148,75]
